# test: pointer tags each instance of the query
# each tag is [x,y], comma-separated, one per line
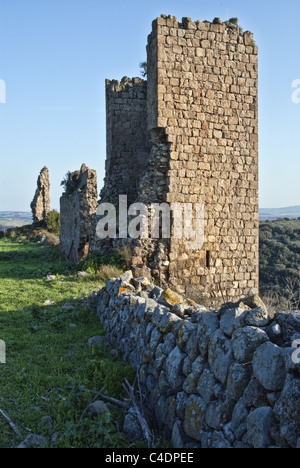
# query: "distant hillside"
[280,261]
[11,219]
[275,213]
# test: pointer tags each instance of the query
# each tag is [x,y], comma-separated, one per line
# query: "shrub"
[106,272]
[97,259]
[125,255]
[53,222]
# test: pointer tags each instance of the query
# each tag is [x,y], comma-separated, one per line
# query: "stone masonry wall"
[203,93]
[128,141]
[201,114]
[40,205]
[77,205]
[224,378]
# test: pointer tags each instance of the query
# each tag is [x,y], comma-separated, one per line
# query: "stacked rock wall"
[215,379]
[77,205]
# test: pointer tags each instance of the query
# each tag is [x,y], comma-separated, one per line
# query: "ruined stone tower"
[127,138]
[77,204]
[40,205]
[200,146]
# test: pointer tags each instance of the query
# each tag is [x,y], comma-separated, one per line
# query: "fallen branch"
[142,421]
[114,401]
[107,398]
[11,423]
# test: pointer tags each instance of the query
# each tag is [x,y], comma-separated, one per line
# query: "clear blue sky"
[56,54]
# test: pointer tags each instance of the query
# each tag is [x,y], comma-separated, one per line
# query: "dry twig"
[142,421]
[11,423]
[114,401]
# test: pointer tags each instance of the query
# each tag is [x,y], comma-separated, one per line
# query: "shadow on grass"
[32,261]
[52,370]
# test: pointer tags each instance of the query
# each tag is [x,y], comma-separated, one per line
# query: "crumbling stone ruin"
[225,378]
[40,205]
[77,204]
[127,138]
[189,134]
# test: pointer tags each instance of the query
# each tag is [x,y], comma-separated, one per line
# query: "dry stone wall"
[40,205]
[197,115]
[77,205]
[224,378]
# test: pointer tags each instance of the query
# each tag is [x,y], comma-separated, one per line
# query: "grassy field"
[51,375]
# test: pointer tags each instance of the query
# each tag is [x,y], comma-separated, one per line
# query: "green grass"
[50,370]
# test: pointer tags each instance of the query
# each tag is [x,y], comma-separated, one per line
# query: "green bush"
[96,260]
[53,222]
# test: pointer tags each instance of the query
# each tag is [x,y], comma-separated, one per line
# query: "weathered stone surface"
[259,424]
[131,426]
[274,332]
[255,395]
[127,276]
[178,438]
[232,319]
[219,441]
[174,365]
[245,341]
[238,423]
[214,415]
[220,355]
[190,383]
[208,323]
[238,379]
[185,331]
[287,410]
[191,347]
[164,320]
[40,205]
[77,204]
[258,317]
[98,408]
[195,412]
[171,298]
[269,366]
[206,385]
[181,402]
[169,343]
